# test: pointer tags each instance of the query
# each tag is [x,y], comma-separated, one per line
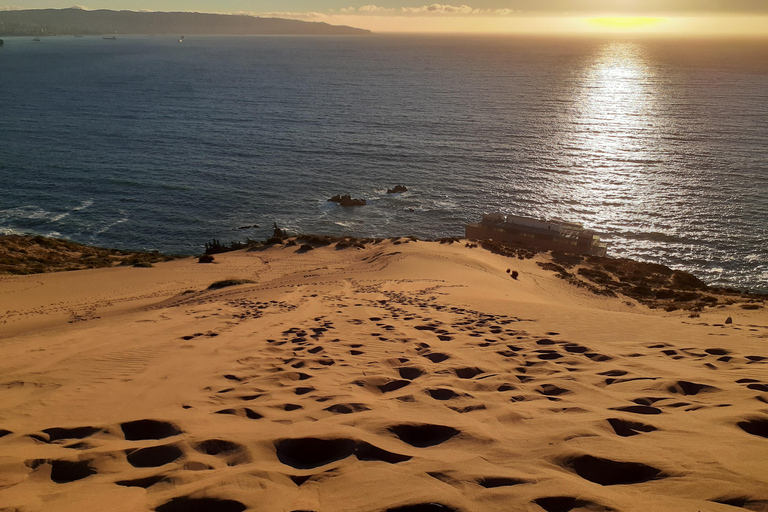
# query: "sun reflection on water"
[608,144]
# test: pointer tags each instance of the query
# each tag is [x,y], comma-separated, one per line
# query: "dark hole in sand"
[689,388]
[63,471]
[217,447]
[149,429]
[552,390]
[442,393]
[560,503]
[312,452]
[756,427]
[639,409]
[743,502]
[393,385]
[141,482]
[300,479]
[611,472]
[437,357]
[56,433]
[409,373]
[185,504]
[425,435]
[251,414]
[629,428]
[423,507]
[347,408]
[468,373]
[492,482]
[154,456]
[365,451]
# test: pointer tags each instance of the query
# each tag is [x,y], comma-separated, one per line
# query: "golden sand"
[410,377]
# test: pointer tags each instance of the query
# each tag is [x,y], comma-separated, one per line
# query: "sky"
[653,17]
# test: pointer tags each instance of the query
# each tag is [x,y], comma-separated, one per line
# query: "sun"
[619,23]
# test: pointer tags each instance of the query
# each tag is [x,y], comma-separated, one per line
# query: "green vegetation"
[228,282]
[22,255]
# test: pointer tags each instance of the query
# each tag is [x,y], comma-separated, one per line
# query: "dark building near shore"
[561,236]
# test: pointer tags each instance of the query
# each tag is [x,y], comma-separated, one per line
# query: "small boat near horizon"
[36,39]
[110,38]
[181,39]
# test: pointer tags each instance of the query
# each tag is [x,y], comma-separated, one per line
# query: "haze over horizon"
[647,17]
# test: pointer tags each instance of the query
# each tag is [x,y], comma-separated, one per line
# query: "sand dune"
[403,377]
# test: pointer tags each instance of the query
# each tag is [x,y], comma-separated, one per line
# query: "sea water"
[147,143]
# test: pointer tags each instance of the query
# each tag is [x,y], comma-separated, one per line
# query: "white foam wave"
[60,217]
[85,204]
[110,226]
[28,212]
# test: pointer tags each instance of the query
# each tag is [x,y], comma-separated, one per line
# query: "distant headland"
[39,22]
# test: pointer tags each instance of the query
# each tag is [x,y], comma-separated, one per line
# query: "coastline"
[386,375]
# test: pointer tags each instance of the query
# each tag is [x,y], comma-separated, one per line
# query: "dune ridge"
[400,376]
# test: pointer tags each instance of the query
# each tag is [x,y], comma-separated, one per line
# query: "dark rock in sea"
[347,200]
[398,189]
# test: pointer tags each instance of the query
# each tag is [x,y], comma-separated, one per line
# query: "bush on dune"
[228,282]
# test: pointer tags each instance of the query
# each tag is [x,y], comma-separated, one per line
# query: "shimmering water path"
[146,143]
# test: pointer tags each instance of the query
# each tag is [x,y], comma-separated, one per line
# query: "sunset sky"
[684,17]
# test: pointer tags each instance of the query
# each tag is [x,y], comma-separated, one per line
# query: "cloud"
[289,15]
[584,8]
[566,8]
[373,9]
[440,9]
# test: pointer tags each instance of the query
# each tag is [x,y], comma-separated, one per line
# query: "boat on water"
[36,39]
[113,37]
[1,42]
[563,236]
[181,39]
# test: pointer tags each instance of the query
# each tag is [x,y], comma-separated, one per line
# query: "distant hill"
[37,22]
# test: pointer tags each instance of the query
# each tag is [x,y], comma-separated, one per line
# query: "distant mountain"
[73,21]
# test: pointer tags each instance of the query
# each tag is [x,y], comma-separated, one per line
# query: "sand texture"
[402,377]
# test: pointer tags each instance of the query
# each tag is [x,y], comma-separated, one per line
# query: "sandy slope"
[410,377]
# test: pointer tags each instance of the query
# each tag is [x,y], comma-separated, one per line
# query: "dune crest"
[401,377]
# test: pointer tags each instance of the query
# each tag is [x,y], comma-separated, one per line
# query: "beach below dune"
[402,376]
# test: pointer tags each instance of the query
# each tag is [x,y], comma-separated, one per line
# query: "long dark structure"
[570,237]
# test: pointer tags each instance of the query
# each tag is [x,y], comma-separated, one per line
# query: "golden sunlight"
[615,115]
[624,22]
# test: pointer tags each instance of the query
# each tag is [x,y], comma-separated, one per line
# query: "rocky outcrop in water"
[347,200]
[397,190]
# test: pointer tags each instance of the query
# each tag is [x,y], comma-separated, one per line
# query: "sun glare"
[624,22]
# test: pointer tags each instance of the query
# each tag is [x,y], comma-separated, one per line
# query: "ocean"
[146,143]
